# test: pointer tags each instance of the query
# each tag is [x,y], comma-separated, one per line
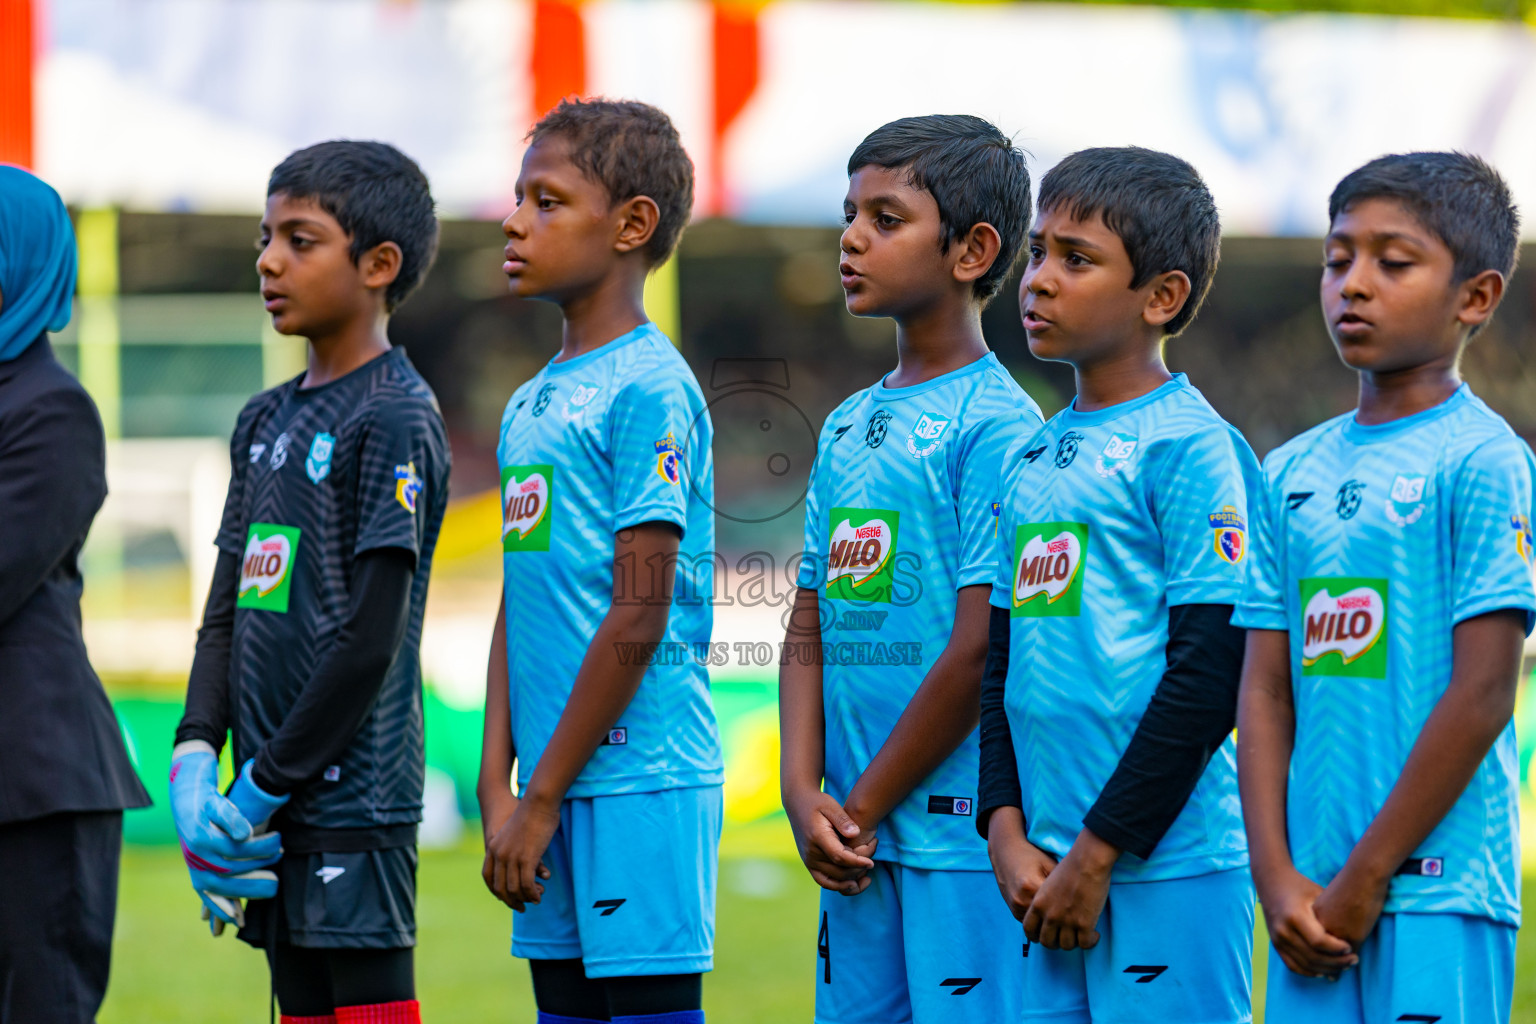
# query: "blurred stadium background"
[158,121]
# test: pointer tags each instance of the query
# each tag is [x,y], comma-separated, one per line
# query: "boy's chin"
[1050,345]
[863,305]
[1368,355]
[289,325]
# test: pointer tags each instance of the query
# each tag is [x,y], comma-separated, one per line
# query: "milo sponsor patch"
[1344,627]
[266,573]
[1048,568]
[861,550]
[527,493]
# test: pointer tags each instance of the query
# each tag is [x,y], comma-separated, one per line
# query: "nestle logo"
[866,531]
[1056,547]
[531,485]
[1346,603]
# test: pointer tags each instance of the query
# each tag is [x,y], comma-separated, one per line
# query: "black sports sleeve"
[207,713]
[400,468]
[1192,712]
[345,684]
[999,783]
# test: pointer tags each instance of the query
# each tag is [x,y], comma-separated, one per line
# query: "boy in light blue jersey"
[597,686]
[882,664]
[1387,600]
[1109,791]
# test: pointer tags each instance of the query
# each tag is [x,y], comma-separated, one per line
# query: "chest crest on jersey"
[874,434]
[1347,502]
[280,451]
[542,399]
[318,463]
[927,434]
[580,400]
[1116,455]
[1066,449]
[1405,505]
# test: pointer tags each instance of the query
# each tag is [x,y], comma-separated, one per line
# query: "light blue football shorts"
[632,886]
[923,946]
[1178,950]
[1414,968]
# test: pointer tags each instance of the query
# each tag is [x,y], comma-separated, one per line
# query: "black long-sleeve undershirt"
[999,784]
[1192,712]
[336,698]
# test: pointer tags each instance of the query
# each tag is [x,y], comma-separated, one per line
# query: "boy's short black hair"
[1458,197]
[1155,202]
[631,149]
[376,193]
[972,170]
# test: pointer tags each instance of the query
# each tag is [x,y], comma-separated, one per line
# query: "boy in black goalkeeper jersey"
[309,650]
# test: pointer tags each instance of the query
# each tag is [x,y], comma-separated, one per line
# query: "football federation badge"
[407,486]
[1231,534]
[318,464]
[669,459]
[927,434]
[1117,452]
[1405,505]
[1523,540]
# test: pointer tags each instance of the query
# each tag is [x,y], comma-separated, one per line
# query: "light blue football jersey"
[900,515]
[590,446]
[1369,544]
[1108,519]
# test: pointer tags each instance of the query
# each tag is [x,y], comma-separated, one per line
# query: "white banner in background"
[1272,110]
[187,104]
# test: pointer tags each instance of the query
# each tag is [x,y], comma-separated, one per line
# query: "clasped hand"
[837,852]
[514,853]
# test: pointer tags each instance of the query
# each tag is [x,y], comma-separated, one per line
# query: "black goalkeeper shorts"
[360,900]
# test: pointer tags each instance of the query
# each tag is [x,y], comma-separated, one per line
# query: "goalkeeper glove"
[223,858]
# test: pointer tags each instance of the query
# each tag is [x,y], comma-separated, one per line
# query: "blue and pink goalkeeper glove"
[224,854]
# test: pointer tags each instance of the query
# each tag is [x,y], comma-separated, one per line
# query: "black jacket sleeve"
[1192,712]
[53,482]
[337,697]
[207,713]
[999,783]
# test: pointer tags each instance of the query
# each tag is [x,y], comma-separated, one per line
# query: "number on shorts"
[824,950]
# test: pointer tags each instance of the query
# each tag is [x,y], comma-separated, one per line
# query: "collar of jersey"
[1070,415]
[645,330]
[369,367]
[881,393]
[1360,433]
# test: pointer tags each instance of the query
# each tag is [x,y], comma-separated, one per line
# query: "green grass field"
[168,970]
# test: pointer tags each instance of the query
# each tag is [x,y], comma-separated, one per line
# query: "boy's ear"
[381,264]
[978,251]
[1167,296]
[637,219]
[1480,296]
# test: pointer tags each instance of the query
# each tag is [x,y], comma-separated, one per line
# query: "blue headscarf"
[37,261]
